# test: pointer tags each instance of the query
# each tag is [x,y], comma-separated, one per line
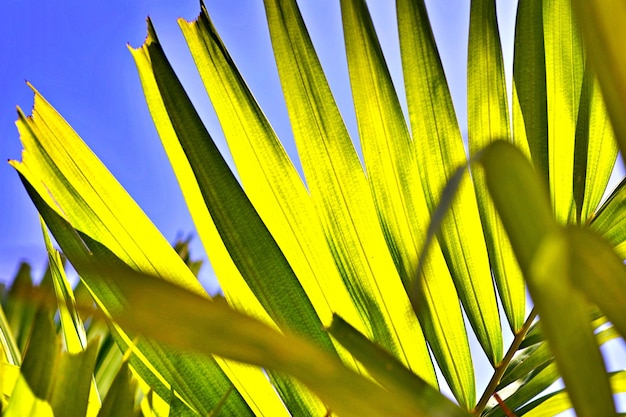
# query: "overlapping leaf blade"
[530,112]
[63,177]
[595,149]
[259,394]
[119,401]
[72,326]
[339,189]
[268,176]
[393,174]
[609,223]
[247,239]
[603,32]
[19,312]
[488,120]
[564,61]
[542,378]
[440,151]
[557,402]
[73,329]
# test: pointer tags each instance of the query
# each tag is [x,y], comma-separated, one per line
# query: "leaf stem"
[502,366]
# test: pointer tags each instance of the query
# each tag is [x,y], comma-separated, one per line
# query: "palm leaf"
[488,120]
[77,183]
[356,239]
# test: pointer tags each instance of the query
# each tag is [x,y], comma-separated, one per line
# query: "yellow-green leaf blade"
[488,120]
[530,111]
[394,179]
[73,328]
[63,178]
[339,188]
[595,150]
[439,150]
[268,176]
[72,325]
[609,223]
[247,239]
[258,393]
[392,374]
[564,76]
[559,401]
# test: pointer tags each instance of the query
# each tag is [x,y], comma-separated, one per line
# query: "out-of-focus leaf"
[10,351]
[9,375]
[521,199]
[61,379]
[391,373]
[182,248]
[73,393]
[40,357]
[24,403]
[120,399]
[557,402]
[603,31]
[548,261]
[600,274]
[109,361]
[20,307]
[211,327]
[488,120]
[64,178]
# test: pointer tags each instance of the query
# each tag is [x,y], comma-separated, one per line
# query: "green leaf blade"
[564,77]
[339,190]
[440,151]
[603,31]
[391,374]
[268,176]
[63,178]
[488,120]
[247,239]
